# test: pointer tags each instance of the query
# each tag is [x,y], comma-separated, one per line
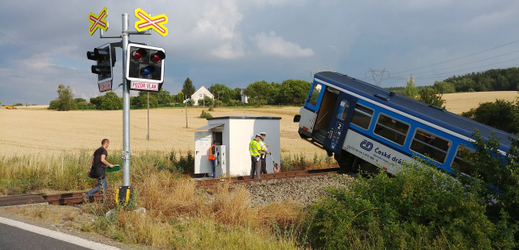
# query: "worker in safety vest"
[254,150]
[263,153]
[212,158]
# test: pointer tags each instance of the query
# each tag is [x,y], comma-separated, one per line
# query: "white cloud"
[273,45]
[415,5]
[227,51]
[216,30]
[492,19]
[262,3]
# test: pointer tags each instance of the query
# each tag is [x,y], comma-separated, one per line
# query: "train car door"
[340,122]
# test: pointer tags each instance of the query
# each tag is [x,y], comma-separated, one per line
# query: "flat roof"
[209,127]
[257,117]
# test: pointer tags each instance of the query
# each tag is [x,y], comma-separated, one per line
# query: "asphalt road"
[15,238]
[18,235]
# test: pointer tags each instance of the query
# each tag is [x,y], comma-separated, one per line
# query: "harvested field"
[33,131]
[463,102]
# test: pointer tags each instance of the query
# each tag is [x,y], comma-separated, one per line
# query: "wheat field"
[462,102]
[35,130]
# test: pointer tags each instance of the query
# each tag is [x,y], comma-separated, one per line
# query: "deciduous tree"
[65,98]
[111,101]
[294,91]
[430,96]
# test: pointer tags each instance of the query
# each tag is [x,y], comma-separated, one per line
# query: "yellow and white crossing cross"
[98,21]
[148,22]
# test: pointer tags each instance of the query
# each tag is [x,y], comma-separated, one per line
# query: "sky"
[44,43]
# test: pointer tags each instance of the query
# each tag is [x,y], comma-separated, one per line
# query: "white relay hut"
[233,134]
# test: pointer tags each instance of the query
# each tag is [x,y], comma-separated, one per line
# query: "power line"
[484,59]
[454,59]
[449,74]
[19,45]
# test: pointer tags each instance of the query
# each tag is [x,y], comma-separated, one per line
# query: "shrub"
[419,208]
[496,178]
[185,164]
[205,115]
[500,114]
[53,104]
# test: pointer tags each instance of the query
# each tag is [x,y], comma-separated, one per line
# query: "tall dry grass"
[23,174]
[178,213]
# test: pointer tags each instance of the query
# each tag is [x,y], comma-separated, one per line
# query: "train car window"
[391,129]
[343,110]
[430,145]
[362,116]
[460,160]
[314,96]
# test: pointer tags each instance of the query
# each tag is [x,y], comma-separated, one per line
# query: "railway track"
[210,183]
[71,198]
[52,199]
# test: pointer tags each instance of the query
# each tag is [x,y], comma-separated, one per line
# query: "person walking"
[263,153]
[212,158]
[99,164]
[254,150]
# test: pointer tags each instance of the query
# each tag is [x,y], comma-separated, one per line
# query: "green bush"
[185,164]
[496,180]
[205,115]
[501,114]
[419,208]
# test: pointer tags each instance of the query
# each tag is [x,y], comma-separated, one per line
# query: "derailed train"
[366,126]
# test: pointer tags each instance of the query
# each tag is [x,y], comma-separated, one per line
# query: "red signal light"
[157,57]
[139,54]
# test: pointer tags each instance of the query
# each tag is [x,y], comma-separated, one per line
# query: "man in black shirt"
[99,165]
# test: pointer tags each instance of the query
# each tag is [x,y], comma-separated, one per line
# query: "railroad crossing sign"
[98,21]
[147,22]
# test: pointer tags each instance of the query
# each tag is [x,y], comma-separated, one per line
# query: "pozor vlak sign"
[145,67]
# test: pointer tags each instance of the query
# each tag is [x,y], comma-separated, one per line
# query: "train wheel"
[369,168]
[345,161]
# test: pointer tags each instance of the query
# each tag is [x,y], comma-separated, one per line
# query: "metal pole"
[186,112]
[148,117]
[126,105]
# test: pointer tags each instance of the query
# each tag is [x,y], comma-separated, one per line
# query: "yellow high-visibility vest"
[254,148]
[262,147]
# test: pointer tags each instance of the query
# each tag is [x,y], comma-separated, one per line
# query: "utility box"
[221,160]
[233,134]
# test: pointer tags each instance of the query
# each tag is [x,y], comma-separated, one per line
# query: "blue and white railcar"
[364,125]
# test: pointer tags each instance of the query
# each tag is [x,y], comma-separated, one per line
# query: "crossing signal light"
[145,63]
[105,60]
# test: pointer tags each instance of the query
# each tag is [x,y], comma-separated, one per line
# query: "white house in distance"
[199,95]
[244,98]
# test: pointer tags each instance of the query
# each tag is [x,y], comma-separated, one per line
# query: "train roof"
[435,115]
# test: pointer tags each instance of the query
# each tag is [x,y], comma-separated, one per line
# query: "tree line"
[289,92]
[490,80]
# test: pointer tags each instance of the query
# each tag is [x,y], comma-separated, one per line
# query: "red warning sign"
[140,85]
